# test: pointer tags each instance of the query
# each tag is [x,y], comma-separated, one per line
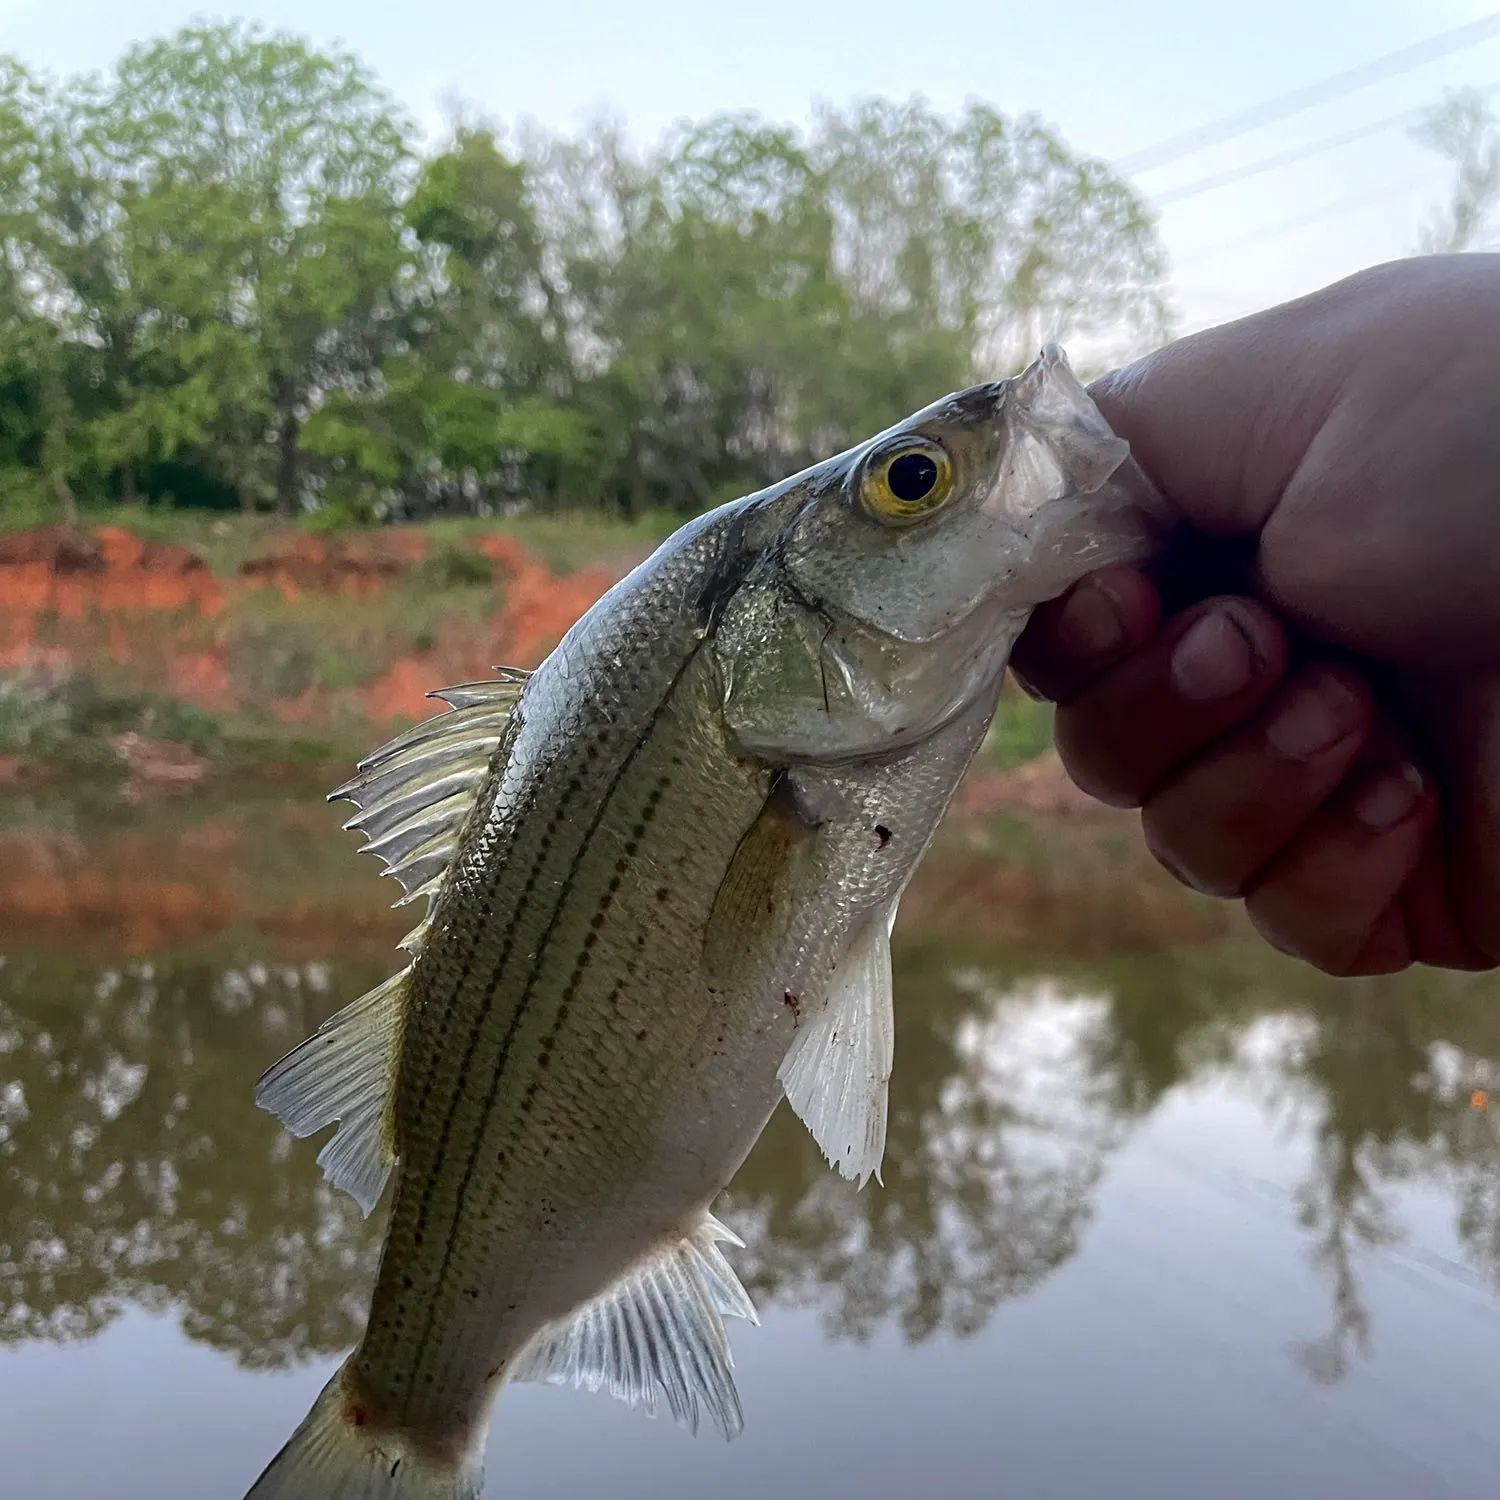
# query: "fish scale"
[662,873]
[551,912]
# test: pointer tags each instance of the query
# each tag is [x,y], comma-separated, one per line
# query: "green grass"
[1023,730]
[566,541]
[223,539]
[75,718]
[281,648]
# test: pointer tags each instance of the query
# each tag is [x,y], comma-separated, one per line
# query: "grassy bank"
[169,644]
[566,542]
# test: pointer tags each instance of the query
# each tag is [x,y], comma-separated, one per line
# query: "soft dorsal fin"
[838,1068]
[413,796]
[346,1071]
[659,1331]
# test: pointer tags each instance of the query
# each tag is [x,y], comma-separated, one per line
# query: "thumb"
[1222,419]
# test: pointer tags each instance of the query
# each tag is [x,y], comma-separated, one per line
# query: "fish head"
[892,581]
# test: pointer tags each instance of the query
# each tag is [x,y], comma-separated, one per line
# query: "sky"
[1115,79]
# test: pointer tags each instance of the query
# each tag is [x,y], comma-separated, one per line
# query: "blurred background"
[347,350]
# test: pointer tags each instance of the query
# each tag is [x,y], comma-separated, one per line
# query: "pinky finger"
[1333,896]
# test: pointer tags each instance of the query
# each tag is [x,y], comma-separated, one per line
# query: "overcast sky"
[1114,78]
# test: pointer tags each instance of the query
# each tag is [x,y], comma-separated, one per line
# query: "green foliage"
[226,278]
[453,567]
[76,717]
[1022,730]
[1466,133]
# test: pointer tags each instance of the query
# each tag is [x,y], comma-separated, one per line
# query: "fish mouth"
[1067,485]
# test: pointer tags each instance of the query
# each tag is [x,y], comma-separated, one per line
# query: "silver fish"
[662,873]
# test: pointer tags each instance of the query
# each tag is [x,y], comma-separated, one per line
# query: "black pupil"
[911,477]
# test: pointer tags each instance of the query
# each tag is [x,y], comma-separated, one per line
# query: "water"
[1163,1214]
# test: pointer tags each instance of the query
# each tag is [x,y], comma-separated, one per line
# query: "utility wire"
[1391,65]
[1302,221]
[1300,153]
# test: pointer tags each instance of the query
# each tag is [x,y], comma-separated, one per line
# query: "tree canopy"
[1464,131]
[229,278]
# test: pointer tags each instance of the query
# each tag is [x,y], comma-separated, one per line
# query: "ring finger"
[1231,808]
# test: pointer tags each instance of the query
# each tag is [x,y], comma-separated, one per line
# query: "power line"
[1283,158]
[1302,221]
[1299,153]
[1389,66]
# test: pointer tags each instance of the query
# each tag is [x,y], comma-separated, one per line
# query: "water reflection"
[998,1134]
[1394,1087]
[135,1169]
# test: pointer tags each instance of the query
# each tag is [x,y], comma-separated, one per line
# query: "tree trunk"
[66,498]
[127,483]
[288,460]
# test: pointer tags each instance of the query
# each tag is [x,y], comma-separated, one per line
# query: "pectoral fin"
[838,1068]
[751,905]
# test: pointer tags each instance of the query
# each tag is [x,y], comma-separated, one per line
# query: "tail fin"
[329,1458]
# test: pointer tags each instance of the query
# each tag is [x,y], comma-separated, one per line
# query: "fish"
[661,873]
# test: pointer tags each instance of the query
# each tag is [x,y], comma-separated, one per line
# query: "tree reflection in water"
[135,1168]
[998,1134]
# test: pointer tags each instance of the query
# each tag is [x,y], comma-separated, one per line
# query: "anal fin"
[837,1071]
[658,1332]
[346,1072]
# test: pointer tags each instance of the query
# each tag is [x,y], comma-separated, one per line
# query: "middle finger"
[1202,673]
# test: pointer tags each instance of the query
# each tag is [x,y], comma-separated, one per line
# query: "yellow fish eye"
[908,482]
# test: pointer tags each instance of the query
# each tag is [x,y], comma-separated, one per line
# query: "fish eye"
[908,482]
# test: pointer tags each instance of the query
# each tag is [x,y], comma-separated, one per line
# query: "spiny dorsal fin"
[413,796]
[837,1071]
[659,1331]
[414,793]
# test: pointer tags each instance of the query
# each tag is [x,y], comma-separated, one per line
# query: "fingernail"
[1317,713]
[1389,798]
[1090,624]
[1214,659]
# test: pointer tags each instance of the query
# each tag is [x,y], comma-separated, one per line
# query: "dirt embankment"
[341,636]
[320,635]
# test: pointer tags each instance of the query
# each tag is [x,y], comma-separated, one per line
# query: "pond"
[1163,1214]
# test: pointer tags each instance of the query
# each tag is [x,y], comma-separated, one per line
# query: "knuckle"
[1329,950]
[1188,867]
[1092,768]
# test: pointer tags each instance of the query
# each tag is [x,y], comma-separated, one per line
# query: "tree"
[1464,131]
[225,273]
[291,162]
[749,299]
[989,226]
[26,345]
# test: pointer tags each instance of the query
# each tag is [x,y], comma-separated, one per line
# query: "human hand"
[1320,737]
